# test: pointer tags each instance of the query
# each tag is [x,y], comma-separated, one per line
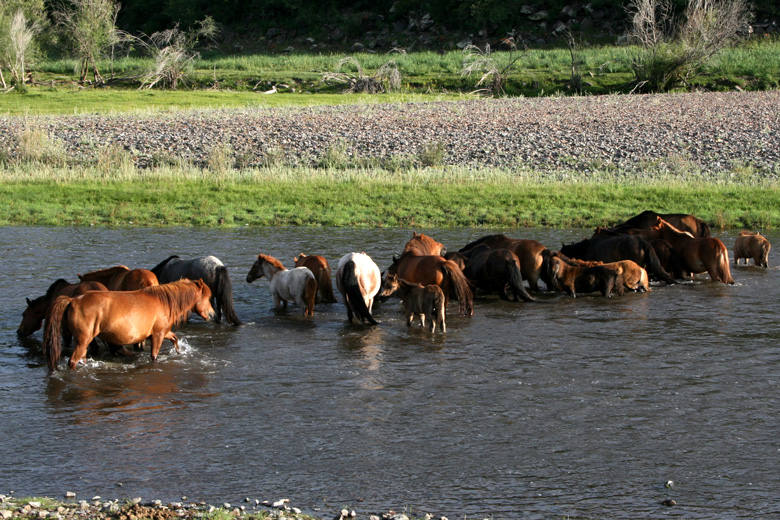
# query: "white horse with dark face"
[298,284]
[212,271]
[359,282]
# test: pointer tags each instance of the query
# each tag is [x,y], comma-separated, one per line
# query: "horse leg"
[174,339]
[79,352]
[157,339]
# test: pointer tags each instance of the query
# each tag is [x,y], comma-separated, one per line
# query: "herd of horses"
[125,307]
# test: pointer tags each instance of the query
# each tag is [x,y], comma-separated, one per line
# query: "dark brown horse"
[35,313]
[123,317]
[493,270]
[435,270]
[319,266]
[529,252]
[606,248]
[122,278]
[700,254]
[426,301]
[424,245]
[682,221]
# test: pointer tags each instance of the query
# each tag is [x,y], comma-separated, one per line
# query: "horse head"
[390,286]
[203,304]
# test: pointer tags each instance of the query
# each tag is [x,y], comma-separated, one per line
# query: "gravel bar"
[714,132]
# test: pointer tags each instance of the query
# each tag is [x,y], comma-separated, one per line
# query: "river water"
[568,407]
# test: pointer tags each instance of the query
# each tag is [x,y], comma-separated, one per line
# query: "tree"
[20,21]
[91,27]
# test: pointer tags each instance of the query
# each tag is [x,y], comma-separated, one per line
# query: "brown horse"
[123,317]
[121,278]
[572,280]
[435,270]
[529,252]
[634,277]
[752,245]
[493,270]
[698,255]
[426,301]
[319,266]
[682,221]
[424,245]
[35,313]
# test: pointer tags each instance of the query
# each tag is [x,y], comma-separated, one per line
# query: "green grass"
[419,198]
[237,81]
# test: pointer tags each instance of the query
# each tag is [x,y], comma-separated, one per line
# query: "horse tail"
[461,286]
[353,295]
[723,263]
[52,334]
[653,264]
[223,294]
[516,281]
[704,229]
[325,286]
[158,269]
[309,295]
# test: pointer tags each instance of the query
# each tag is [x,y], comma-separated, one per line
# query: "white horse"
[359,281]
[296,284]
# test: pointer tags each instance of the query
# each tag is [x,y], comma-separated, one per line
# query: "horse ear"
[414,234]
[80,277]
[28,301]
[395,259]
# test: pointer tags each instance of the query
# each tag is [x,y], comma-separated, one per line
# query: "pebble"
[629,133]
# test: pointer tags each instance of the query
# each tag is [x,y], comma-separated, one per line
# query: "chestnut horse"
[359,282]
[212,271]
[424,245]
[122,278]
[34,314]
[753,245]
[682,221]
[319,266]
[572,280]
[529,252]
[297,284]
[493,270]
[426,301]
[634,277]
[123,317]
[435,270]
[698,255]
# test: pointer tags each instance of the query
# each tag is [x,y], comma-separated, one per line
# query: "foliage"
[386,78]
[20,21]
[672,51]
[494,67]
[90,26]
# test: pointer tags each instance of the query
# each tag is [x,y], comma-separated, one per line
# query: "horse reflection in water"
[367,345]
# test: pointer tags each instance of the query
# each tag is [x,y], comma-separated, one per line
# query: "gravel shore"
[713,132]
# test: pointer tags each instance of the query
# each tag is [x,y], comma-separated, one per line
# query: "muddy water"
[581,408]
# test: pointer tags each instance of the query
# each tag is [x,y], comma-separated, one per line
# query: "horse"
[35,313]
[571,279]
[752,245]
[212,271]
[424,245]
[682,221]
[435,270]
[426,301]
[529,252]
[121,278]
[698,254]
[321,269]
[123,317]
[634,277]
[297,284]
[493,270]
[611,248]
[359,282]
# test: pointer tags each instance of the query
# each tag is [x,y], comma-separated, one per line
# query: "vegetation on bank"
[373,197]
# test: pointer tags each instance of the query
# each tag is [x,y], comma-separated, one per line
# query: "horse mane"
[662,223]
[159,267]
[179,297]
[54,287]
[745,233]
[108,271]
[271,260]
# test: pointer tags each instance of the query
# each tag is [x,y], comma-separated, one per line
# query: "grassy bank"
[238,81]
[419,198]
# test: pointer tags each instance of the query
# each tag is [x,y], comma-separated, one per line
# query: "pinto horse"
[682,221]
[35,313]
[359,282]
[122,278]
[123,317]
[529,252]
[424,245]
[606,248]
[698,254]
[212,271]
[435,270]
[319,266]
[297,284]
[493,270]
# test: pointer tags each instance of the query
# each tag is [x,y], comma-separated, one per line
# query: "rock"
[5,513]
[280,503]
[70,494]
[463,43]
[539,15]
[669,502]
[568,12]
[527,9]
